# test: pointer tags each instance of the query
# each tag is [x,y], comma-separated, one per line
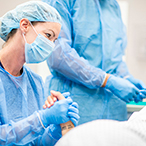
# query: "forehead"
[48,25]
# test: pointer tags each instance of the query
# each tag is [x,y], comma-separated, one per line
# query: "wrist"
[105,81]
[44,122]
[40,120]
[55,131]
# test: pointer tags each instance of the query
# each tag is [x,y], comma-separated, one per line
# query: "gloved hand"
[56,114]
[138,83]
[66,94]
[73,113]
[122,88]
[140,96]
[55,130]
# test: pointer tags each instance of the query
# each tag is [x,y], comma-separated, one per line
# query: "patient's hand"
[53,98]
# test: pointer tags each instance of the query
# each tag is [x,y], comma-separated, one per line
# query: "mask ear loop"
[24,36]
[33,28]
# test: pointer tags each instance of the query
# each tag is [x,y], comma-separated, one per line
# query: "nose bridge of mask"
[44,41]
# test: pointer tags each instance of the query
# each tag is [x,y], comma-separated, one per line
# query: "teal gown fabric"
[91,43]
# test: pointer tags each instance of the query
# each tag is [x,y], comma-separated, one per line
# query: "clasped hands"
[128,89]
[64,105]
[58,109]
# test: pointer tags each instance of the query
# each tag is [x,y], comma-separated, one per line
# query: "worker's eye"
[48,35]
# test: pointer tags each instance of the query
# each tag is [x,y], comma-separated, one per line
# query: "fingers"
[58,95]
[75,121]
[44,106]
[135,93]
[73,108]
[141,85]
[140,96]
[143,92]
[69,100]
[138,99]
[49,102]
[74,117]
[74,104]
[73,113]
[53,98]
[66,94]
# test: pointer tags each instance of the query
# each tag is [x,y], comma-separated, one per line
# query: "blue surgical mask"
[39,50]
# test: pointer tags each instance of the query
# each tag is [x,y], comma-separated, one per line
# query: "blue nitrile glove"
[56,114]
[66,94]
[73,113]
[138,83]
[55,131]
[122,88]
[141,96]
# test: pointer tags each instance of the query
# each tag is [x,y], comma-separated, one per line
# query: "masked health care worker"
[87,60]
[29,31]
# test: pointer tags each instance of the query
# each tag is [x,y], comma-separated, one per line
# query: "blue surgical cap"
[33,11]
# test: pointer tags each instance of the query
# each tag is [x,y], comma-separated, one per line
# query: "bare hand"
[53,98]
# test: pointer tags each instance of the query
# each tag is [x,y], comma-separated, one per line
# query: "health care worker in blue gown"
[87,60]
[29,32]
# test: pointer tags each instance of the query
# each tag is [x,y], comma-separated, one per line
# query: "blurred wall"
[6,5]
[134,16]
[136,49]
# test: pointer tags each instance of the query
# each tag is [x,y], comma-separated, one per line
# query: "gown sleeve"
[26,131]
[65,60]
[122,70]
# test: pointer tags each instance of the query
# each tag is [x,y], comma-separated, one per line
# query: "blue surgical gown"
[20,99]
[91,43]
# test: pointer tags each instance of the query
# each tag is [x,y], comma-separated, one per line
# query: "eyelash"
[48,35]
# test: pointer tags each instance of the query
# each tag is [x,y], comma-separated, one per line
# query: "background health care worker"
[87,60]
[29,31]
